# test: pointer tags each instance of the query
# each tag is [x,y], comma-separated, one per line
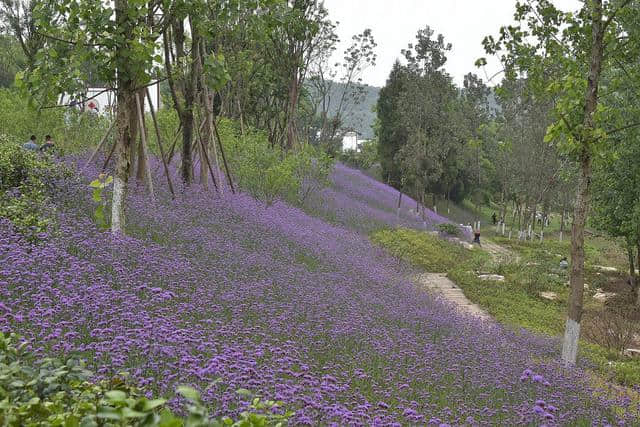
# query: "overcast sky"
[464,23]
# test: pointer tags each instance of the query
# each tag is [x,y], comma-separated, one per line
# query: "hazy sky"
[464,23]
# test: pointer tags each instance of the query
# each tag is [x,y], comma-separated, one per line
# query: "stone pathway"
[439,283]
[499,253]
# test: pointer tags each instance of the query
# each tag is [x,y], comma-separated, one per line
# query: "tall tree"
[115,37]
[576,49]
[19,20]
[359,56]
[391,135]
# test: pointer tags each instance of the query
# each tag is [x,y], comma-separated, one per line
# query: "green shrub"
[26,179]
[270,173]
[50,392]
[450,229]
[363,159]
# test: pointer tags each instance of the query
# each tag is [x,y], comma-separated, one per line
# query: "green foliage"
[422,249]
[450,229]
[73,131]
[364,159]
[429,127]
[391,134]
[270,173]
[12,59]
[99,186]
[26,181]
[51,392]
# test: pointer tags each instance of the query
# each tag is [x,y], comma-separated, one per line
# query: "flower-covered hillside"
[358,201]
[222,292]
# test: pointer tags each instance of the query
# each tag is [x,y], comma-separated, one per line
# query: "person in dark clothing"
[494,218]
[476,236]
[48,144]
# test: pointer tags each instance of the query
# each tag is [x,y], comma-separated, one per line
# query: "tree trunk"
[125,138]
[632,270]
[187,138]
[534,217]
[204,145]
[126,124]
[292,108]
[572,329]
[143,155]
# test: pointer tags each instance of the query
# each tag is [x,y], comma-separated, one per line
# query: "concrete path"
[439,283]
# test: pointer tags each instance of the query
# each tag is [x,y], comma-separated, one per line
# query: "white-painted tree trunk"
[570,342]
[117,205]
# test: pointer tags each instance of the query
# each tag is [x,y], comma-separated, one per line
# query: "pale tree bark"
[126,125]
[572,329]
[126,117]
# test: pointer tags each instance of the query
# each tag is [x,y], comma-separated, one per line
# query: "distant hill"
[361,116]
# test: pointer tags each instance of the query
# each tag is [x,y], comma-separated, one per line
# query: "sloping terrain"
[359,202]
[271,299]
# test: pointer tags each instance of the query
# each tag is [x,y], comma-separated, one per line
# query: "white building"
[350,141]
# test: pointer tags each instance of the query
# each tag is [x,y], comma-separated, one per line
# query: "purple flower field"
[276,301]
[362,203]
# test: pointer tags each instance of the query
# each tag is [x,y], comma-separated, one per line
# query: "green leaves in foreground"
[99,186]
[51,392]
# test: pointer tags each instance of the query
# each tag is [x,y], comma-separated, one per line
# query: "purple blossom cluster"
[222,292]
[358,201]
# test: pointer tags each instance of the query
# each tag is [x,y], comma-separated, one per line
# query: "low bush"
[26,181]
[450,229]
[609,329]
[270,173]
[363,159]
[51,392]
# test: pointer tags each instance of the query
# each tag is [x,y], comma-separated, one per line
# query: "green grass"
[422,249]
[516,302]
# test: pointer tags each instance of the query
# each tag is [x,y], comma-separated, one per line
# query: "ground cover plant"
[223,292]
